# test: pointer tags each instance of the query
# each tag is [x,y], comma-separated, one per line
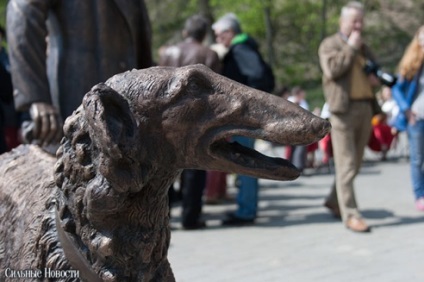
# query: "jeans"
[247,198]
[416,152]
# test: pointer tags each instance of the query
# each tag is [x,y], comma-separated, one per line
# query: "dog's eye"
[193,86]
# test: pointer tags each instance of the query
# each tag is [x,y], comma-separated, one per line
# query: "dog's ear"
[112,125]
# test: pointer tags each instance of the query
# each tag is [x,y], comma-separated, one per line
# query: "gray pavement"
[295,239]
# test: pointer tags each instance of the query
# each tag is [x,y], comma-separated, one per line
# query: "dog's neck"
[120,235]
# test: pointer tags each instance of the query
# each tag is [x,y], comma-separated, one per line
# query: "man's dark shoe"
[198,225]
[233,220]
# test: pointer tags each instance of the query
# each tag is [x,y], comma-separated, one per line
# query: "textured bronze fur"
[122,149]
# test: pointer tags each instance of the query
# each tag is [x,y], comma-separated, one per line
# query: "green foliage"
[295,31]
[315,97]
[168,19]
[249,12]
[3,12]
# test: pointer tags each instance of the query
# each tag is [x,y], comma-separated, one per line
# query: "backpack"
[268,77]
[265,80]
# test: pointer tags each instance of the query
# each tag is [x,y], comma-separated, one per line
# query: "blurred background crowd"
[284,37]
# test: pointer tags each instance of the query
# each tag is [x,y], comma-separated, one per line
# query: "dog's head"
[185,118]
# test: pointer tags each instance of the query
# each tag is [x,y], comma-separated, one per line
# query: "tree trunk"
[269,31]
[324,19]
[206,11]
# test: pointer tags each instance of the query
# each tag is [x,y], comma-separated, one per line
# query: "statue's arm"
[27,31]
[26,35]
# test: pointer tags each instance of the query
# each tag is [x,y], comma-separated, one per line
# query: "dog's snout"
[320,127]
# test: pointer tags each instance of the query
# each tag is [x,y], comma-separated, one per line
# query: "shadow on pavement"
[377,214]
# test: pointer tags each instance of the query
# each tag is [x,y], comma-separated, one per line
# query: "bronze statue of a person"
[60,49]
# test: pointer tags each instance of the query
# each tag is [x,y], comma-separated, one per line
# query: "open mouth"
[243,160]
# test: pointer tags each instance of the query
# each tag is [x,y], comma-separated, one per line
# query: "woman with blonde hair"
[409,95]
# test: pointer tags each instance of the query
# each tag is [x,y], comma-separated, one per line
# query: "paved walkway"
[295,238]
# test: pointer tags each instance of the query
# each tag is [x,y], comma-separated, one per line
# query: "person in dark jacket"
[84,42]
[188,52]
[191,49]
[243,63]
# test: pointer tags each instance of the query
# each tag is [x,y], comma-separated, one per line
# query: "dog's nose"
[320,127]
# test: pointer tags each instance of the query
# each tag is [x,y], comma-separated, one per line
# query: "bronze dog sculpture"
[104,212]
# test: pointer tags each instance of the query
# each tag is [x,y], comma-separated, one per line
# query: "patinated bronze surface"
[122,149]
[59,49]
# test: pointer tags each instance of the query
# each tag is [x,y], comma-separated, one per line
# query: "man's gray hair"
[350,6]
[227,22]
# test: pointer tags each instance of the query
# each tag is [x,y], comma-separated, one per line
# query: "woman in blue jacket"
[409,95]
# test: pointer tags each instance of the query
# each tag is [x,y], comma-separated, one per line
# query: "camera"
[384,77]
